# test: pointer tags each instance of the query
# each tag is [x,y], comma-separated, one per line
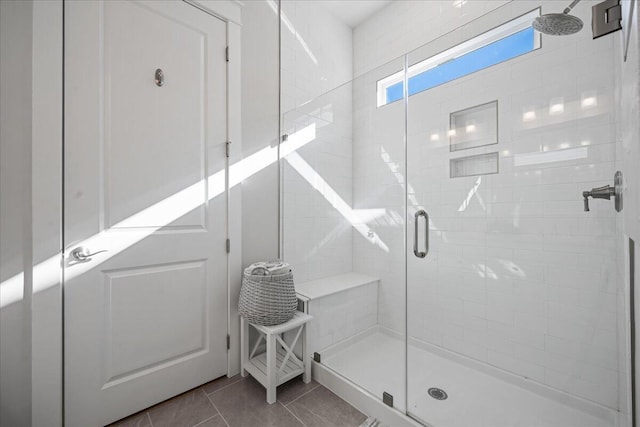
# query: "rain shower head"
[559,24]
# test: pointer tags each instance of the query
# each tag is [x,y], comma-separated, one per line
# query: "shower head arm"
[571,6]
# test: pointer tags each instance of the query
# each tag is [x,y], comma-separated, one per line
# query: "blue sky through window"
[494,53]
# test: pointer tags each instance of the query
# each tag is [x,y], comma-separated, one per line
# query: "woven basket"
[267,299]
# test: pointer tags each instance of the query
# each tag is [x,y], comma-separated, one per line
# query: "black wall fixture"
[607,18]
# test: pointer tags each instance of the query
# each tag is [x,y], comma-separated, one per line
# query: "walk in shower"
[433,211]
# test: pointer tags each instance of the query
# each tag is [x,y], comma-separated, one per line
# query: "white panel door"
[145,171]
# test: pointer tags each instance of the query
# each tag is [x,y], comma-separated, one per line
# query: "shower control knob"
[606,192]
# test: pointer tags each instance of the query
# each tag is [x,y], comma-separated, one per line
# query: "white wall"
[15,214]
[627,73]
[260,116]
[627,155]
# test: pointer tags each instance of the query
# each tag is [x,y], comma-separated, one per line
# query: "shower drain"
[437,393]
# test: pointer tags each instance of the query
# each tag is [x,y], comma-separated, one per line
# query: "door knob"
[82,254]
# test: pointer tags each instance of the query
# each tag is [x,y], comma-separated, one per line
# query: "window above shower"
[509,40]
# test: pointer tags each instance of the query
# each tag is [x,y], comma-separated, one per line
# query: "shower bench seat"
[342,306]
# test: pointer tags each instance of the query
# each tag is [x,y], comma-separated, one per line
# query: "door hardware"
[416,252]
[82,254]
[159,77]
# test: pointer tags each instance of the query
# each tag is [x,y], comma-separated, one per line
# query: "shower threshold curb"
[359,398]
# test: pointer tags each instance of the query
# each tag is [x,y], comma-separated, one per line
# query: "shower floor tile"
[475,398]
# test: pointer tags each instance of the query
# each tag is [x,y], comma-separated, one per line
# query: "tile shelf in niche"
[481,164]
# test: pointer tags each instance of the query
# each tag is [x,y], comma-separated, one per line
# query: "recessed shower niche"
[474,127]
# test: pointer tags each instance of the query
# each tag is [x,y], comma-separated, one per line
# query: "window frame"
[498,33]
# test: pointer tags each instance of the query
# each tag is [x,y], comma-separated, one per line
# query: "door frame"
[47,322]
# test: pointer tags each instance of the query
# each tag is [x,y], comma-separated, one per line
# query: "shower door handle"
[416,252]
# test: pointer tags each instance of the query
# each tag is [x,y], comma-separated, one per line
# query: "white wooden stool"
[278,364]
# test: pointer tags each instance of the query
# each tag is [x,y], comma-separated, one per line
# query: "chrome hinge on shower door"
[227,149]
[606,18]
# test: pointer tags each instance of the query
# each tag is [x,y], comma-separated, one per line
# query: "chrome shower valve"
[606,192]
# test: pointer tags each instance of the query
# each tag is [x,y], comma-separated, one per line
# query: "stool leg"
[306,357]
[272,381]
[244,345]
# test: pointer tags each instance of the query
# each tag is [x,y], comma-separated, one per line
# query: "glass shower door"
[512,309]
[343,164]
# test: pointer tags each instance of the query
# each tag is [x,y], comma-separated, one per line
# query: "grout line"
[149,418]
[294,415]
[318,415]
[303,394]
[322,416]
[216,408]
[210,401]
[204,421]
[223,387]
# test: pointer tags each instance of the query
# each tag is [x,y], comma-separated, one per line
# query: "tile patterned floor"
[240,402]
